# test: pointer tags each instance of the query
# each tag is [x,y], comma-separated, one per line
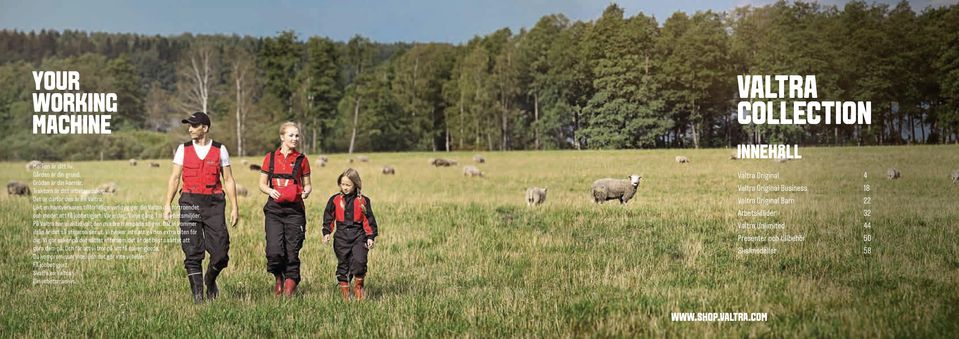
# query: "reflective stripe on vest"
[358,215]
[202,176]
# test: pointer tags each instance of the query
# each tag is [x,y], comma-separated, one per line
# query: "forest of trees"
[615,82]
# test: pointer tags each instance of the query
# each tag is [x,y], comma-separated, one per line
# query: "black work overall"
[285,226]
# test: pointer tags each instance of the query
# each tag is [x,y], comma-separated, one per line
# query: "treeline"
[616,82]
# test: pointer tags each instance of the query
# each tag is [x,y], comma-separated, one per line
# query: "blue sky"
[384,21]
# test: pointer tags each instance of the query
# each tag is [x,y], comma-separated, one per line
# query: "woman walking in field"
[350,215]
[285,178]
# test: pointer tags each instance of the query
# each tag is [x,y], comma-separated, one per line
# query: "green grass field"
[463,256]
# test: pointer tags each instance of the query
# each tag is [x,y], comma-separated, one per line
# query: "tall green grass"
[464,256]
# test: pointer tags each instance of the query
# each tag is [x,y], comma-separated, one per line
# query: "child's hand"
[369,243]
[326,239]
[275,194]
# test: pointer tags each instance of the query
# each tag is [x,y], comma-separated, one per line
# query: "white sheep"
[133,162]
[955,176]
[35,164]
[619,189]
[154,164]
[682,159]
[535,196]
[363,158]
[389,170]
[479,159]
[893,173]
[472,171]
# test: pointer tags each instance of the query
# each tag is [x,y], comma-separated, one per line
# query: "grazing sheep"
[241,191]
[682,159]
[363,158]
[733,157]
[244,162]
[110,187]
[254,167]
[442,162]
[479,159]
[389,170]
[321,162]
[955,176]
[133,162]
[535,196]
[893,174]
[35,164]
[350,160]
[17,188]
[472,171]
[154,164]
[609,189]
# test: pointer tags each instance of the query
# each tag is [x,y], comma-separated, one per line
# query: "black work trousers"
[203,229]
[285,232]
[349,245]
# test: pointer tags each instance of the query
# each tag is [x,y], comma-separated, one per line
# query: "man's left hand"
[234,217]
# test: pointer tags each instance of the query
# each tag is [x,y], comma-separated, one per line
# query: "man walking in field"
[201,162]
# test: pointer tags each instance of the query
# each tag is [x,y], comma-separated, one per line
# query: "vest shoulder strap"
[270,172]
[188,144]
[296,167]
[216,144]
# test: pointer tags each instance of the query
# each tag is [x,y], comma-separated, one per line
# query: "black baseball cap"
[197,118]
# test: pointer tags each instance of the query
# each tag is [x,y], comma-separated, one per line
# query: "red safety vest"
[358,216]
[202,176]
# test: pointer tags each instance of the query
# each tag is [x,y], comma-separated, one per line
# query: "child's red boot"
[278,287]
[358,290]
[345,290]
[289,287]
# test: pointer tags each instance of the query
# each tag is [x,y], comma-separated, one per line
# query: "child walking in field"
[349,218]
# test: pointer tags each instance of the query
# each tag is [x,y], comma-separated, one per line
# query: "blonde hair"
[286,125]
[354,176]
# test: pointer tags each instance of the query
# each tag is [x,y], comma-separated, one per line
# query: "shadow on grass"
[387,289]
